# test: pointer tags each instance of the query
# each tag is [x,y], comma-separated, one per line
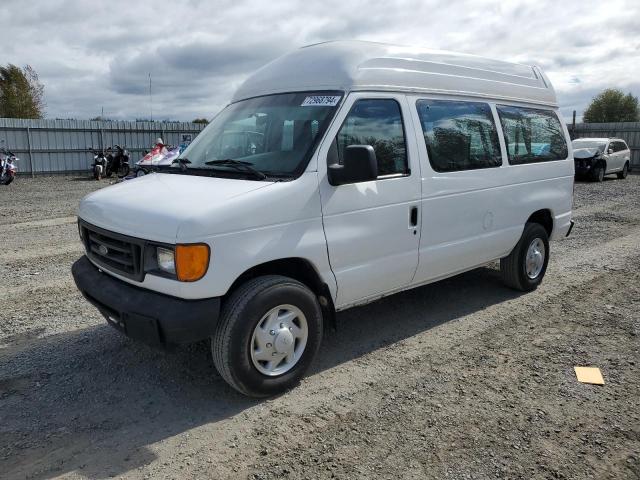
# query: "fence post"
[30,152]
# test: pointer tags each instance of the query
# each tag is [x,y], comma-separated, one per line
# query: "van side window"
[376,122]
[532,135]
[459,135]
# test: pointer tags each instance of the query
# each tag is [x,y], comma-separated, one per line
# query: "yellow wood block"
[589,375]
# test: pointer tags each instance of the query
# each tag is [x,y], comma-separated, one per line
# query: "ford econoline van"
[338,174]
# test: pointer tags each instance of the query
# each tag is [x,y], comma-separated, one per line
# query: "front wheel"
[268,334]
[524,268]
[625,171]
[123,170]
[598,174]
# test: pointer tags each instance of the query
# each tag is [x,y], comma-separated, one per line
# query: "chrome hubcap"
[279,340]
[534,260]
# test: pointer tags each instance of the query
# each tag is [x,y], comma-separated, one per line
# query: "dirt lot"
[460,379]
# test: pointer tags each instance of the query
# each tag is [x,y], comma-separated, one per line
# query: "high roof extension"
[356,65]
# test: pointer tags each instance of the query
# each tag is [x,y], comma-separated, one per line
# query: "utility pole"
[150,97]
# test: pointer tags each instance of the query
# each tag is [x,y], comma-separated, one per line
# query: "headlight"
[188,263]
[166,260]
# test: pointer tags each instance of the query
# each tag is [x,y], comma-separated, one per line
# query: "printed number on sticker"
[321,101]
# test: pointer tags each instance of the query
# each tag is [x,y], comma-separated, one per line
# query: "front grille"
[115,252]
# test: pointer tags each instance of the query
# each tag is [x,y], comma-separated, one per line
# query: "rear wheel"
[625,171]
[269,332]
[524,268]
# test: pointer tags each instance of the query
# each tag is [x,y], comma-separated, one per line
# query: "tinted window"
[377,123]
[459,135]
[532,135]
[620,146]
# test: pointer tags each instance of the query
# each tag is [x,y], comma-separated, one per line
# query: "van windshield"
[274,135]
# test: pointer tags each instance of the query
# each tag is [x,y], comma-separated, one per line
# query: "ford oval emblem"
[103,250]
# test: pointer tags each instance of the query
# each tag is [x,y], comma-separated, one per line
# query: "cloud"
[98,54]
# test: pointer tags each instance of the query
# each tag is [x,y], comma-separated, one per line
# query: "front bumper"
[141,314]
[583,167]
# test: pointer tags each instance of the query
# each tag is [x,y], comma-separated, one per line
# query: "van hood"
[153,207]
[585,152]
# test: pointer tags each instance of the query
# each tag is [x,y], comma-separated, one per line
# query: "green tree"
[21,93]
[612,105]
[201,120]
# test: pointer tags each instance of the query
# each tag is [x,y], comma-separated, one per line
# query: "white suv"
[596,157]
[339,174]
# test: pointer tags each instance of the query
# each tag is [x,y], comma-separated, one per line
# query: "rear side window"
[620,146]
[532,135]
[459,135]
[376,122]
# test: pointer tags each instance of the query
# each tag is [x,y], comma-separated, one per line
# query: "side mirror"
[359,165]
[610,151]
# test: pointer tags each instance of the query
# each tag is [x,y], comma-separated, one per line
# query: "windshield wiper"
[239,166]
[183,163]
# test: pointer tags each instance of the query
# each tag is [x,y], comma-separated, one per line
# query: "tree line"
[21,93]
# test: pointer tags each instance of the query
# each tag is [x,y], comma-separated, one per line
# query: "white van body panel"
[355,66]
[372,248]
[357,237]
[245,223]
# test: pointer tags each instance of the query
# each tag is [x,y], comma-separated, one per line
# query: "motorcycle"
[100,163]
[8,168]
[118,162]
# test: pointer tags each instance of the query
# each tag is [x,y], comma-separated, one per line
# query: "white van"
[338,174]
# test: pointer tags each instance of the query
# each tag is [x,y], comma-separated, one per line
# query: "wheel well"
[544,218]
[299,269]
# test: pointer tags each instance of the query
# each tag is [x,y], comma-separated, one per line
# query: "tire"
[513,267]
[233,346]
[123,171]
[625,171]
[598,174]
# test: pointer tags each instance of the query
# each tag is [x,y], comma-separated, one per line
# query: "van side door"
[467,218]
[372,227]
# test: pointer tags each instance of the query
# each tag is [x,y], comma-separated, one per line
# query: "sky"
[97,54]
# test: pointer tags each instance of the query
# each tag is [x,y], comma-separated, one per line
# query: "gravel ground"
[460,379]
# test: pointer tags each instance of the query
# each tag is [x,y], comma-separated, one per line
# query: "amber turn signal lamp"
[192,261]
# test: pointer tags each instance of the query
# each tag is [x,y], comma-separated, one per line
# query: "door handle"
[413,217]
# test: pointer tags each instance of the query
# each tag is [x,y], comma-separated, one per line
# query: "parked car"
[596,157]
[371,169]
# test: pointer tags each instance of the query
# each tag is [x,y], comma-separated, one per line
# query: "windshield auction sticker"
[321,101]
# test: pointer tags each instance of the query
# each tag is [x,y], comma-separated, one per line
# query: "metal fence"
[628,131]
[62,146]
